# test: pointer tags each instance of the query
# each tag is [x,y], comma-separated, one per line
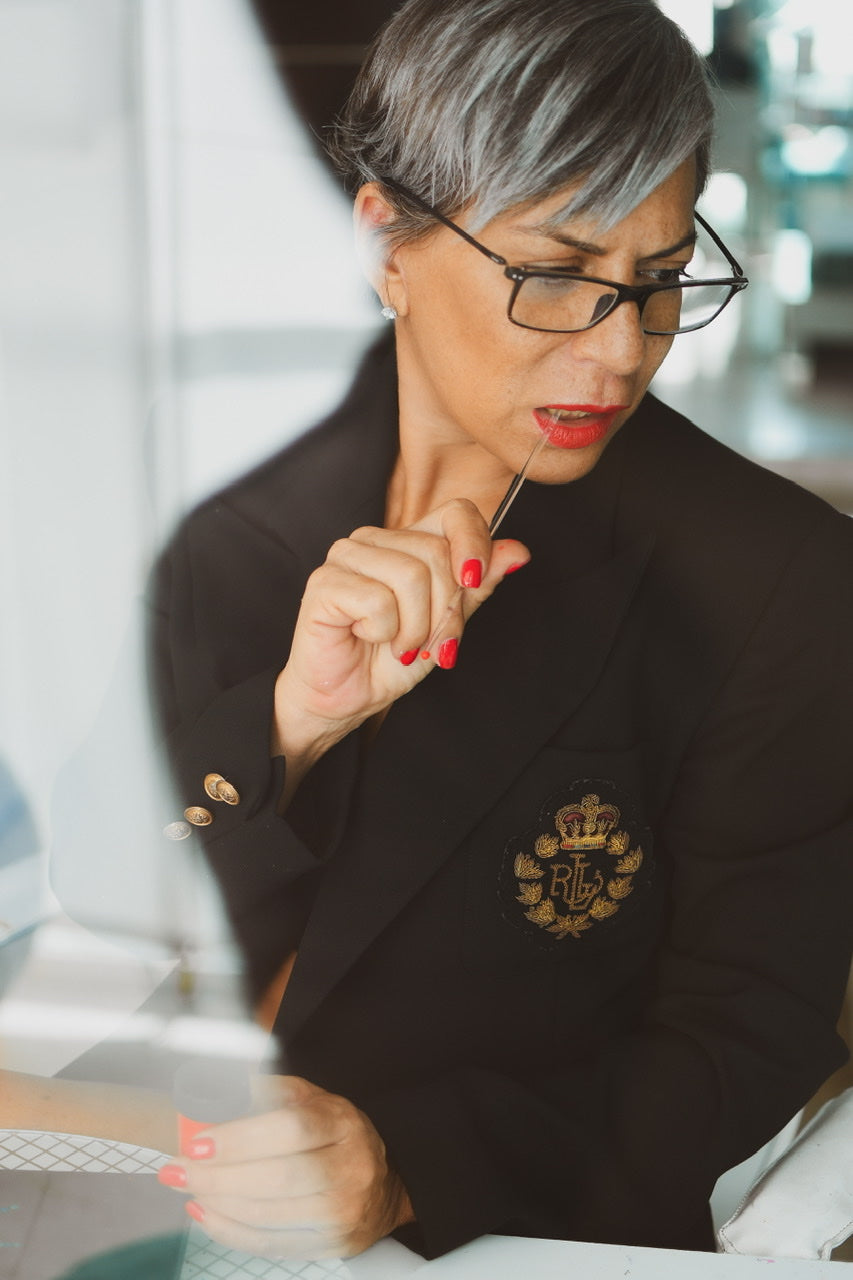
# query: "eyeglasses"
[553,300]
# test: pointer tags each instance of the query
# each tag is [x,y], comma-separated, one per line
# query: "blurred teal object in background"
[20,875]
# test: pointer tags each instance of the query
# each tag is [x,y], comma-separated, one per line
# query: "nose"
[617,342]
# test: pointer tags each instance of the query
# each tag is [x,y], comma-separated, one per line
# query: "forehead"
[666,214]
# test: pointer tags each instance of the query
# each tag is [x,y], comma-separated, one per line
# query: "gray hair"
[490,104]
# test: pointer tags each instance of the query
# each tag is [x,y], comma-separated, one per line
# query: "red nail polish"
[514,567]
[472,573]
[408,657]
[172,1175]
[201,1149]
[425,655]
[447,654]
[194,1210]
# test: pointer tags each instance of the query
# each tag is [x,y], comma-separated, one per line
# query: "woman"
[569,920]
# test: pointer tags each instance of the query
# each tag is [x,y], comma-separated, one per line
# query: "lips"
[576,426]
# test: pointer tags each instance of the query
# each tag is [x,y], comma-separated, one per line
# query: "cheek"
[657,350]
[475,353]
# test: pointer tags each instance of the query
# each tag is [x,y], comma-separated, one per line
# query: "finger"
[297,1242]
[270,1091]
[409,571]
[467,533]
[438,644]
[314,1212]
[300,1127]
[507,556]
[336,598]
[427,545]
[269,1178]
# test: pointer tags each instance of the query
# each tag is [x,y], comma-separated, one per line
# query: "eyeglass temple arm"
[439,217]
[502,262]
[738,269]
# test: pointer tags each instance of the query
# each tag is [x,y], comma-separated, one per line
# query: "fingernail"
[194,1210]
[513,568]
[172,1175]
[201,1148]
[472,573]
[408,657]
[447,654]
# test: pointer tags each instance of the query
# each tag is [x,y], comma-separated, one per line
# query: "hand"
[308,1179]
[381,595]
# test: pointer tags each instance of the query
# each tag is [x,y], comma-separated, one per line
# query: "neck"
[437,463]
[419,484]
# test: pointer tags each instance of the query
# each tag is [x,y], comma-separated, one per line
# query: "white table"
[508,1258]
[489,1258]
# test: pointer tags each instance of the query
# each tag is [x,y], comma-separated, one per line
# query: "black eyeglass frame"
[623,292]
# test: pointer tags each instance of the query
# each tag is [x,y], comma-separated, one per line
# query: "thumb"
[508,555]
[271,1092]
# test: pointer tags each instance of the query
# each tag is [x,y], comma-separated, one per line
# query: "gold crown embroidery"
[586,825]
[547,885]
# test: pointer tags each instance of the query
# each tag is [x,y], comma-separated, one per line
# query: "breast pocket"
[563,868]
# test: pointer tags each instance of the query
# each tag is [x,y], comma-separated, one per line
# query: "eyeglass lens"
[564,305]
[559,304]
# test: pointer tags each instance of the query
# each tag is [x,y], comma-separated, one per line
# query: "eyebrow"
[597,251]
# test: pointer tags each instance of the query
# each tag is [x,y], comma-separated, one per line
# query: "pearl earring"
[389,313]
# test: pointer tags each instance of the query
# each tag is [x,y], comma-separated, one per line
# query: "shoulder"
[705,502]
[296,498]
[743,560]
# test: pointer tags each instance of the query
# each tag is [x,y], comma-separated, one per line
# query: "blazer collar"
[527,659]
[335,477]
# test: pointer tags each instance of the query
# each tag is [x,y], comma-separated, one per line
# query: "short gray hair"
[489,104]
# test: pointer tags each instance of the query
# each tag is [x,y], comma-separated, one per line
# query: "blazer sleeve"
[626,1144]
[223,603]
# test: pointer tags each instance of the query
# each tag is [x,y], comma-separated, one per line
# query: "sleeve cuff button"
[218,788]
[197,816]
[177,830]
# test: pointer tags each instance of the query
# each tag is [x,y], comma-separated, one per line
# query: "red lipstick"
[588,424]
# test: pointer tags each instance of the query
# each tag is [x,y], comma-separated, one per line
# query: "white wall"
[71,408]
[178,297]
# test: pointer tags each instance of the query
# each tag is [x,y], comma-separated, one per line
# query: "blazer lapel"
[447,752]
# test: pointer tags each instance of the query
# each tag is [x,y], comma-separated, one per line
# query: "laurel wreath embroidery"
[541,910]
[527,869]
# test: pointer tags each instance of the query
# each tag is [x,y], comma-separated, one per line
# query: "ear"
[372,215]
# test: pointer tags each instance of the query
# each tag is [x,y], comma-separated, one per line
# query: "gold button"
[219,789]
[177,830]
[197,816]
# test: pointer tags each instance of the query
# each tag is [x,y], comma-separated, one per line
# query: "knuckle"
[414,575]
[365,533]
[323,581]
[376,596]
[296,1129]
[347,1119]
[461,506]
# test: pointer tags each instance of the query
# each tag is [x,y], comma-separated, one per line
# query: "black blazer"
[574,929]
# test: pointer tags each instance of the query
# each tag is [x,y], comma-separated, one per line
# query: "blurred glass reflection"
[181,297]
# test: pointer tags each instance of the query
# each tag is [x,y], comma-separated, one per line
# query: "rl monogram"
[566,898]
[577,892]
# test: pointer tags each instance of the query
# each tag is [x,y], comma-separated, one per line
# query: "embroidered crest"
[581,870]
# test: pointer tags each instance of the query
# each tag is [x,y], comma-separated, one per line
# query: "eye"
[560,266]
[666,275]
[553,285]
